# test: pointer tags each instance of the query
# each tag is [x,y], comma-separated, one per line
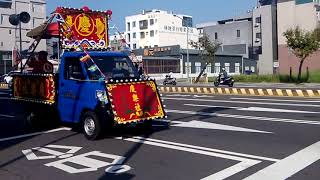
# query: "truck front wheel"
[91,125]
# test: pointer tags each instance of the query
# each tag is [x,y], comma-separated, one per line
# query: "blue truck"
[79,96]
[93,88]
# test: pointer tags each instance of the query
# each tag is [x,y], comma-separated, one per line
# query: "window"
[165,27]
[5,4]
[217,67]
[237,68]
[253,69]
[157,66]
[198,67]
[169,28]
[143,24]
[134,35]
[129,38]
[246,68]
[73,69]
[187,67]
[151,22]
[208,68]
[142,35]
[215,36]
[134,46]
[152,33]
[128,26]
[1,44]
[147,33]
[258,20]
[10,31]
[113,67]
[173,28]
[238,33]
[227,67]
[258,35]
[133,24]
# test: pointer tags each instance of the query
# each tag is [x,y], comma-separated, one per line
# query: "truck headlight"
[102,96]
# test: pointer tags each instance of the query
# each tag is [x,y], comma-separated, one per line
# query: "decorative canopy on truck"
[76,28]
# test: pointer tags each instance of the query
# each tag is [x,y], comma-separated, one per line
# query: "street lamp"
[187,46]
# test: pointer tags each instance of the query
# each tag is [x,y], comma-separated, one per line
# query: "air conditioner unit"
[258,40]
[257,25]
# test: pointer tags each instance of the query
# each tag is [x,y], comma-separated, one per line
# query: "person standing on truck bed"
[41,65]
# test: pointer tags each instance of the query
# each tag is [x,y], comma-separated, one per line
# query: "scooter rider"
[224,74]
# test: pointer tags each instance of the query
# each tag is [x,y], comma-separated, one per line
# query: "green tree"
[207,50]
[303,44]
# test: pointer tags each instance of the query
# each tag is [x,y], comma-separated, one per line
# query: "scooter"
[228,81]
[170,80]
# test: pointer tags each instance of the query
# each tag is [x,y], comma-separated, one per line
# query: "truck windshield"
[113,67]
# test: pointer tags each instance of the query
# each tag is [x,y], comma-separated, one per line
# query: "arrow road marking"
[258,109]
[206,125]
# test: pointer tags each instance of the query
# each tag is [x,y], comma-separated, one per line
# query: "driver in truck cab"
[41,64]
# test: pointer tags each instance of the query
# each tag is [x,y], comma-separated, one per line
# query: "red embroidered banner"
[34,87]
[135,101]
[86,28]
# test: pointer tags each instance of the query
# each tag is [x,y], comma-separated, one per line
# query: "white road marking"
[207,125]
[207,149]
[279,100]
[245,163]
[35,134]
[259,109]
[289,166]
[178,95]
[5,98]
[5,115]
[245,117]
[242,102]
[230,171]
[202,96]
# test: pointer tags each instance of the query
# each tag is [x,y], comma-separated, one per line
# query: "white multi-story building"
[157,28]
[10,34]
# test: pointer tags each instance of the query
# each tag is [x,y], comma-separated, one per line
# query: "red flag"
[16,57]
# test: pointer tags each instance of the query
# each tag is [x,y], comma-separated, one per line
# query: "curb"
[242,91]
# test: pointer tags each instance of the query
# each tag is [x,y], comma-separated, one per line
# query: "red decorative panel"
[39,88]
[135,101]
[86,28]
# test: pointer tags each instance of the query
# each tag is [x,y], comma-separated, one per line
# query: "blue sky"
[201,10]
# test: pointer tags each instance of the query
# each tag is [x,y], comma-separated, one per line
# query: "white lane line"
[243,102]
[207,125]
[258,109]
[278,100]
[221,175]
[5,98]
[178,95]
[289,166]
[5,115]
[244,117]
[245,163]
[209,149]
[35,134]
